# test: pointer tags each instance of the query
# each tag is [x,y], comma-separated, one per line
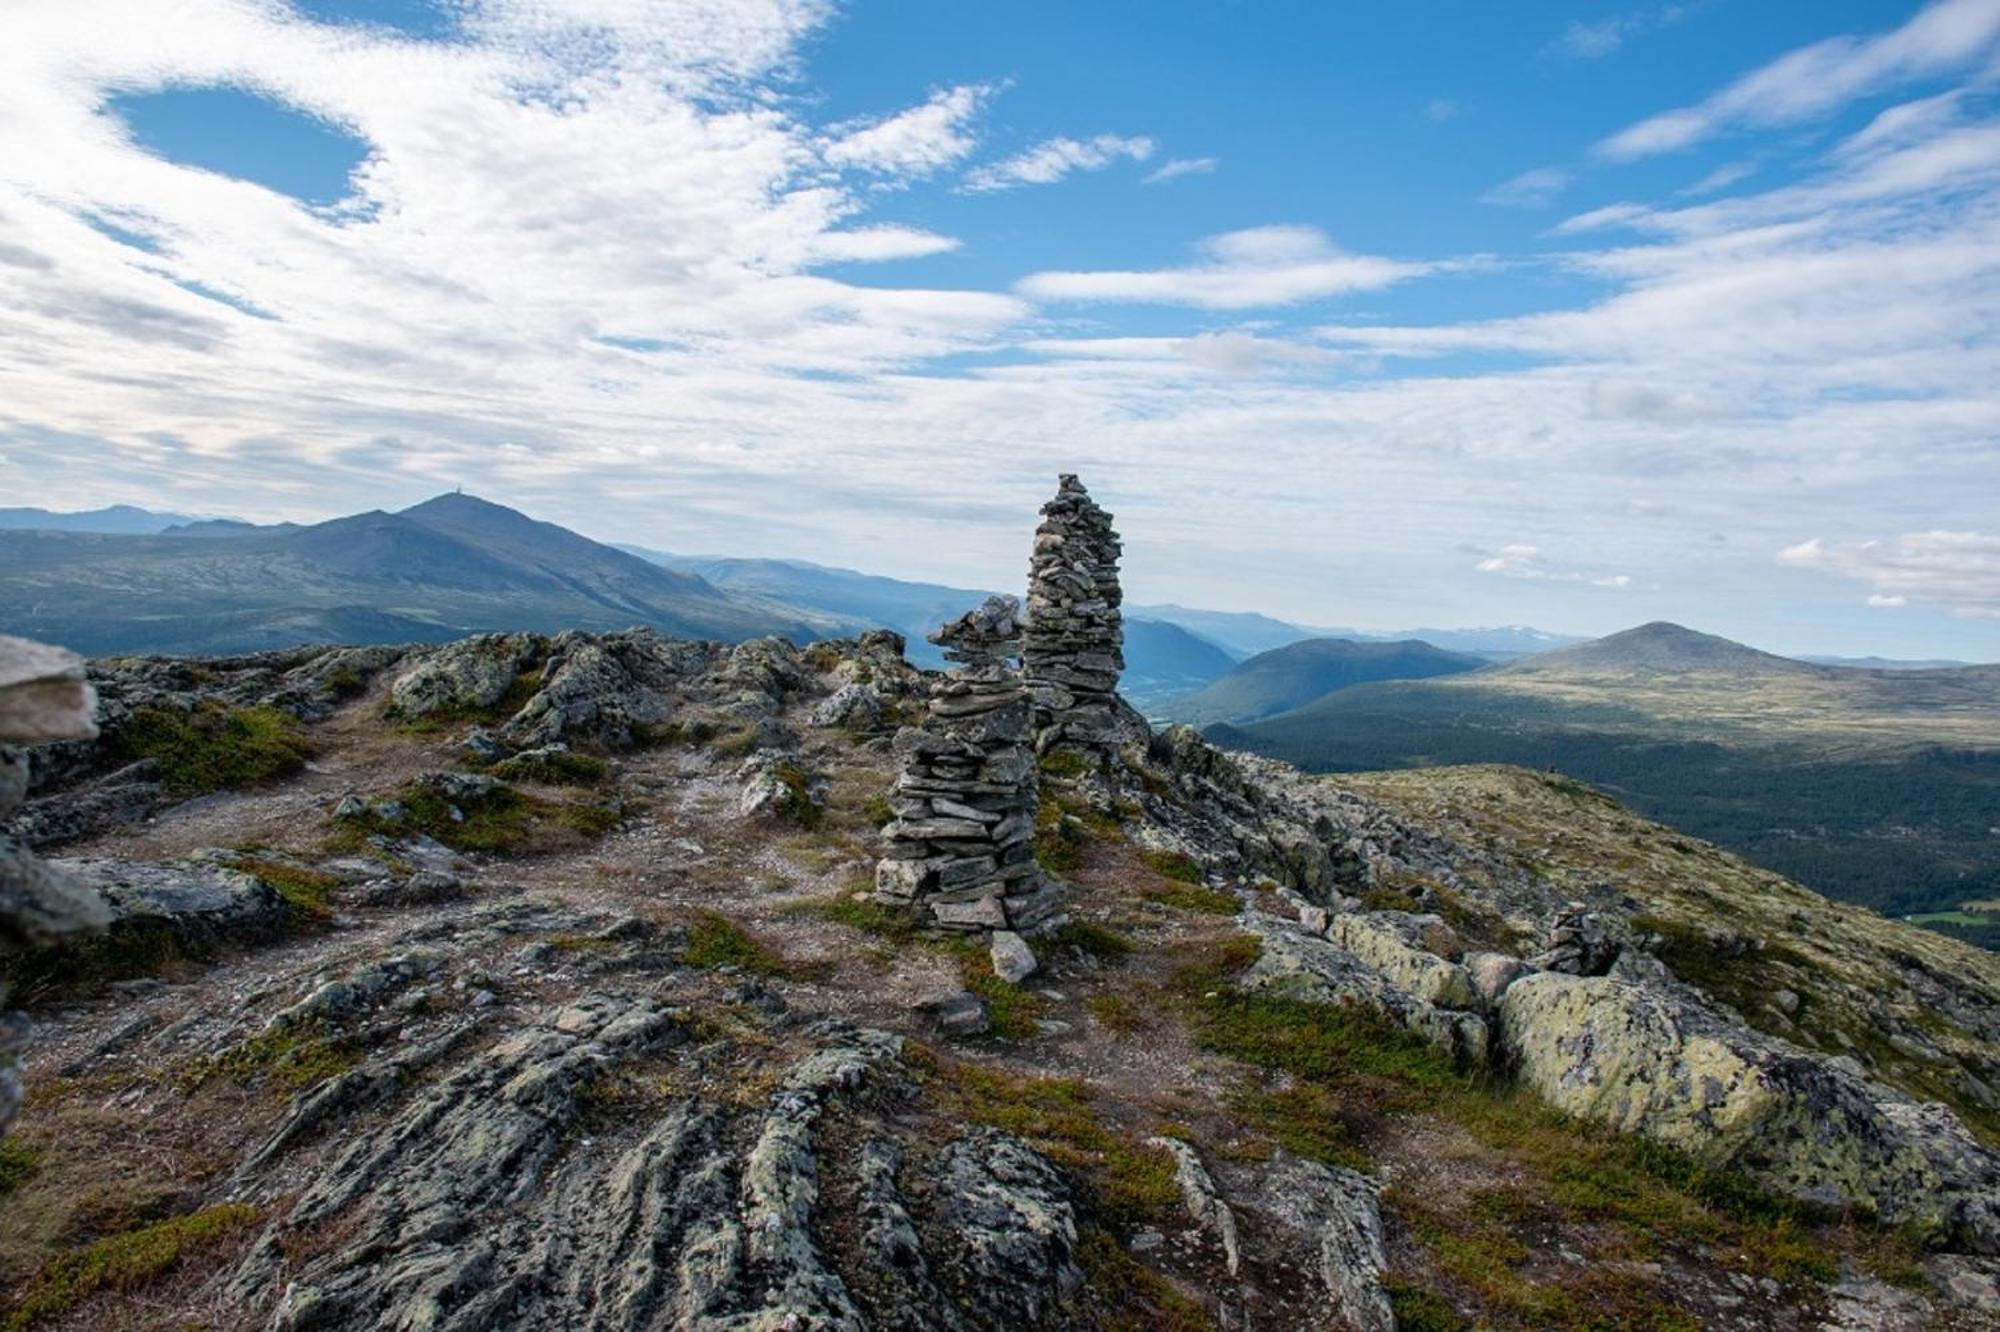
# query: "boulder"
[1658,1063]
[1298,965]
[470,675]
[1013,960]
[858,707]
[1388,941]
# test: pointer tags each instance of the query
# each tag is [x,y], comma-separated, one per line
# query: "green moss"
[1098,941]
[1172,865]
[284,1059]
[502,820]
[1126,1183]
[123,1262]
[1116,1012]
[346,683]
[1305,1119]
[1418,1309]
[863,914]
[122,952]
[552,769]
[1058,841]
[1390,899]
[1063,763]
[1130,1297]
[18,1164]
[307,892]
[714,940]
[1201,901]
[799,805]
[1013,1011]
[213,748]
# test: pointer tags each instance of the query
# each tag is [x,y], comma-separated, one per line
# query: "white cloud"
[1957,570]
[1597,38]
[918,141]
[1441,109]
[1729,173]
[1052,159]
[1531,189]
[1523,561]
[1261,266]
[1814,80]
[584,271]
[1178,167]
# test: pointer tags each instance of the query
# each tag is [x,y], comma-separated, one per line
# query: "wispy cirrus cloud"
[1945,36]
[1594,39]
[1052,159]
[1178,168]
[1531,189]
[1259,266]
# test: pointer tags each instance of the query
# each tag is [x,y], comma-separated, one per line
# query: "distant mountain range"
[1247,633]
[1298,673]
[1877,786]
[450,566]
[119,520]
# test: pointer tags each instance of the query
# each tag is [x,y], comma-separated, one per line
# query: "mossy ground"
[503,821]
[212,747]
[714,940]
[121,1262]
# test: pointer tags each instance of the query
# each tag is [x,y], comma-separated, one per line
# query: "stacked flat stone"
[1073,643]
[961,851]
[43,697]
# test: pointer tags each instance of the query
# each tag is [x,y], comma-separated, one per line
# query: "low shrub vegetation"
[122,1262]
[213,748]
[714,940]
[559,768]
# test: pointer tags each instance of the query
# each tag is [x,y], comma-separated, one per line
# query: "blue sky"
[1571,314]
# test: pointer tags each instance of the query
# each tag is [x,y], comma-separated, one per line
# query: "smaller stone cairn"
[1073,643]
[43,697]
[961,851]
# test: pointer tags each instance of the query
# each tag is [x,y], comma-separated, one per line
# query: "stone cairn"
[961,851]
[43,697]
[1073,641]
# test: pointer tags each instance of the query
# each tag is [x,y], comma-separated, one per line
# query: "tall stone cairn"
[43,697]
[961,851]
[1073,642]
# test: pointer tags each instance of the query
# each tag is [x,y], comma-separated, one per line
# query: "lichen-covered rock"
[1012,1224]
[775,787]
[611,690]
[1298,965]
[469,675]
[1656,1063]
[1342,1210]
[1205,1204]
[1391,942]
[858,707]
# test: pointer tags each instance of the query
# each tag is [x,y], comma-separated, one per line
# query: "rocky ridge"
[544,981]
